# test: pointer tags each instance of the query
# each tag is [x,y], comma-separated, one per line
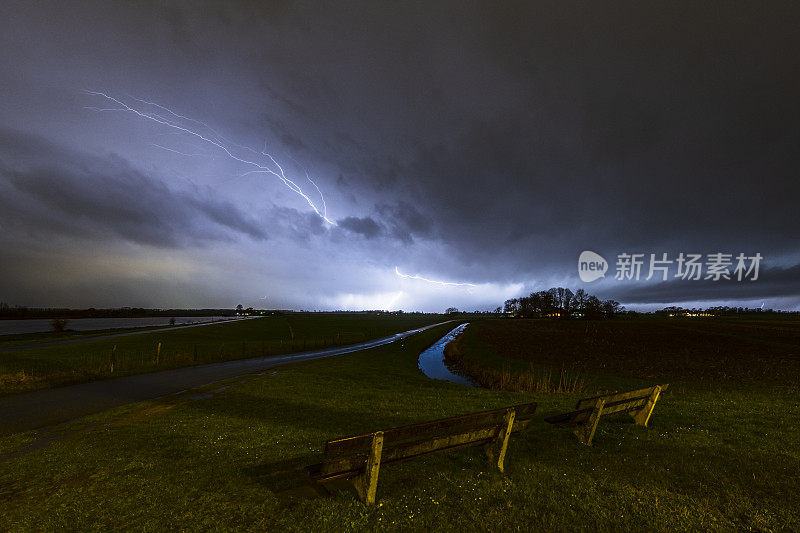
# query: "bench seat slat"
[428,429]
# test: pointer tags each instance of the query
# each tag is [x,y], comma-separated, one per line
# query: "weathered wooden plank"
[581,415]
[353,464]
[432,428]
[610,398]
[624,405]
[639,404]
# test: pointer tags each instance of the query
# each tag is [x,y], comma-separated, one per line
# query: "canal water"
[38,325]
[431,361]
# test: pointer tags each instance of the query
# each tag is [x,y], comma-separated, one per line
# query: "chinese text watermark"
[684,266]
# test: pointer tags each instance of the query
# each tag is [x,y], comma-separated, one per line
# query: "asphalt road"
[37,409]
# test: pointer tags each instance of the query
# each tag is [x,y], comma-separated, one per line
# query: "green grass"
[713,458]
[41,367]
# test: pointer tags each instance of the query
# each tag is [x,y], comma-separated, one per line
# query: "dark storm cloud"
[405,221]
[364,226]
[771,283]
[524,133]
[396,222]
[507,137]
[50,190]
[594,126]
[298,226]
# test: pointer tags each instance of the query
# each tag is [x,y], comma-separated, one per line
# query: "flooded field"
[39,325]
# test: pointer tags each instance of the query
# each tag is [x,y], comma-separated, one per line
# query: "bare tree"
[580,299]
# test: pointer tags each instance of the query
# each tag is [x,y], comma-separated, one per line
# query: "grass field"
[708,351]
[41,367]
[721,457]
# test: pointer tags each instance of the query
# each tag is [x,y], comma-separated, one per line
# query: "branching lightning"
[436,282]
[173,150]
[191,127]
[259,162]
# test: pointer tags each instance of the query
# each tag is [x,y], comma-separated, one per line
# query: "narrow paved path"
[113,335]
[33,410]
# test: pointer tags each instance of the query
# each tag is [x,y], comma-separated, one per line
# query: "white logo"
[591,266]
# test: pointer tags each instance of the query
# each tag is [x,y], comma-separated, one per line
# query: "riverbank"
[503,378]
[432,361]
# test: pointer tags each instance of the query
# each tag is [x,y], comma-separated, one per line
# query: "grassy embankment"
[548,355]
[47,366]
[713,458]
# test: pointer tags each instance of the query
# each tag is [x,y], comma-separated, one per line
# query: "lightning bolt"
[436,282]
[177,151]
[201,131]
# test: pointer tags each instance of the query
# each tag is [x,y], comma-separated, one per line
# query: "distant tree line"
[559,302]
[721,310]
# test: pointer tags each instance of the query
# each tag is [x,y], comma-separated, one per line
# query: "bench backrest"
[347,456]
[620,402]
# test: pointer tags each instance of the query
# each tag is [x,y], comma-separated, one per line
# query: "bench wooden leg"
[585,432]
[642,416]
[367,483]
[497,450]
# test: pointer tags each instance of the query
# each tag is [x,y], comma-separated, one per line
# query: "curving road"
[33,410]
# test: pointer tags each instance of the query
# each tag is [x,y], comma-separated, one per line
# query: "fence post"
[642,416]
[585,432]
[497,449]
[367,484]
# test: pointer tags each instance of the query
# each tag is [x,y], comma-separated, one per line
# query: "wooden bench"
[583,420]
[360,457]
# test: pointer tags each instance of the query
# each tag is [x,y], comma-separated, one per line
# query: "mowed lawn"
[716,456]
[41,367]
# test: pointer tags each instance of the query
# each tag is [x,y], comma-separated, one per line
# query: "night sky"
[486,144]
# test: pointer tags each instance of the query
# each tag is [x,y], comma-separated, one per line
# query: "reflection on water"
[38,325]
[431,361]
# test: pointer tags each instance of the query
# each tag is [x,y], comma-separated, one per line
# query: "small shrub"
[58,324]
